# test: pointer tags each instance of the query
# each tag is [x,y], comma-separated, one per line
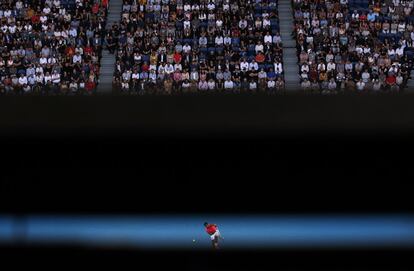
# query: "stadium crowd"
[51,46]
[354,45]
[178,46]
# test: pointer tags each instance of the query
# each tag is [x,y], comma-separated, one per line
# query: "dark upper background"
[206,154]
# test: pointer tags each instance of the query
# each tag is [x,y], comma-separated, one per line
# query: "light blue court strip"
[6,229]
[238,231]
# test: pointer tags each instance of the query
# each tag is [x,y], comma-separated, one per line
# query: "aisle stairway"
[410,83]
[108,60]
[291,68]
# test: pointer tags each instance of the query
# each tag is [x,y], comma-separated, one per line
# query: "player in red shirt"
[214,233]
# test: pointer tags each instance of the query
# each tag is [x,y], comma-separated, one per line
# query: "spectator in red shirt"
[390,80]
[105,3]
[145,67]
[90,86]
[88,49]
[95,8]
[177,57]
[363,17]
[35,19]
[260,57]
[70,51]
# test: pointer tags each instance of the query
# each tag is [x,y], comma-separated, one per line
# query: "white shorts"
[215,235]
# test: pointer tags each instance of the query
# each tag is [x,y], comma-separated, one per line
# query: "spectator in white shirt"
[252,85]
[360,85]
[56,78]
[227,40]
[268,38]
[321,67]
[259,47]
[31,80]
[186,48]
[211,6]
[211,84]
[77,58]
[47,78]
[244,65]
[278,67]
[203,85]
[332,84]
[253,66]
[22,80]
[43,60]
[242,23]
[331,66]
[219,40]
[228,84]
[169,68]
[365,76]
[271,84]
[39,78]
[304,68]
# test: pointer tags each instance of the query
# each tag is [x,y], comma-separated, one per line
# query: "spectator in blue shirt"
[371,16]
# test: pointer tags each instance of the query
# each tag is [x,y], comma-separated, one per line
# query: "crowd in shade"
[179,46]
[354,45]
[53,47]
[50,47]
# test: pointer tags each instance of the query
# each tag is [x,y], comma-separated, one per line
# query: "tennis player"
[214,233]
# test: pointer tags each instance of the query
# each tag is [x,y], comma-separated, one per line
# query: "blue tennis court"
[178,231]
